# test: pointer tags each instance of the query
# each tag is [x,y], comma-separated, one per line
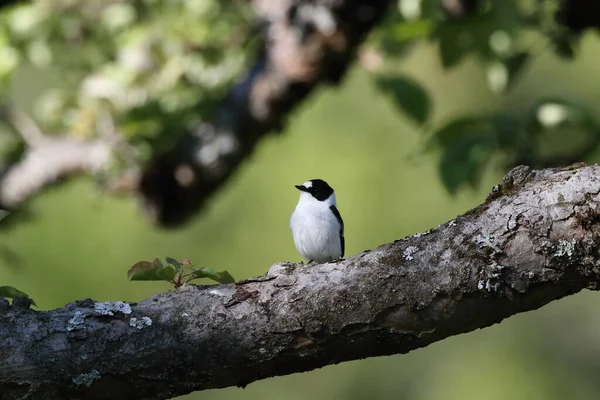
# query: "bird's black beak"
[301,188]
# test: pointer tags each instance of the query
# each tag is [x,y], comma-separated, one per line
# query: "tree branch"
[307,43]
[49,161]
[534,240]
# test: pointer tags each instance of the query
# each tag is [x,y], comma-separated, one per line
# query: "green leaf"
[510,132]
[515,65]
[466,144]
[409,30]
[167,272]
[408,95]
[174,263]
[221,277]
[145,271]
[450,53]
[455,41]
[3,214]
[13,293]
[460,129]
[158,262]
[463,163]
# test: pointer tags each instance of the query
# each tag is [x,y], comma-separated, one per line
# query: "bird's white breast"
[315,229]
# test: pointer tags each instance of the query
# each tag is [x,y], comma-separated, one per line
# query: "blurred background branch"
[305,44]
[166,76]
[302,45]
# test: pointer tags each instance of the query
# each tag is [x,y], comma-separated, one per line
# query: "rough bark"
[535,239]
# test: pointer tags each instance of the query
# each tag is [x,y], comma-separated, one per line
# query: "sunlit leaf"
[501,42]
[397,37]
[221,277]
[145,271]
[408,95]
[497,77]
[13,293]
[555,112]
[9,61]
[409,30]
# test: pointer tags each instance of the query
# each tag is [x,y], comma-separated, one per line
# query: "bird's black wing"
[337,214]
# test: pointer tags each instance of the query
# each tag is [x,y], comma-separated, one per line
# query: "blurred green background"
[80,242]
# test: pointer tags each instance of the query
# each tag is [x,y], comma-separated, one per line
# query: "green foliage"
[500,36]
[155,67]
[468,143]
[175,272]
[408,95]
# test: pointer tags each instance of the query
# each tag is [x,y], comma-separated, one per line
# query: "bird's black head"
[318,188]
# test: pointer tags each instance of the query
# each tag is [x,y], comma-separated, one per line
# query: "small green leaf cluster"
[500,36]
[175,272]
[470,143]
[490,35]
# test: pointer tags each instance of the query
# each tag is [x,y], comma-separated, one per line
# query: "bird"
[316,224]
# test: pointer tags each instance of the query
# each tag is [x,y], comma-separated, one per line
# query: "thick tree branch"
[534,240]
